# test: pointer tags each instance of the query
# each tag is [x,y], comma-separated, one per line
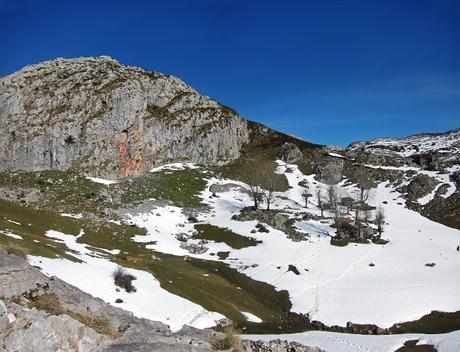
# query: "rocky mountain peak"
[114,120]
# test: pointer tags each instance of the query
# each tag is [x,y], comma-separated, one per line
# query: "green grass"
[218,234]
[180,187]
[35,223]
[339,242]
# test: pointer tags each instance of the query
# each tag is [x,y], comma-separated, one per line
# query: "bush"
[231,340]
[124,280]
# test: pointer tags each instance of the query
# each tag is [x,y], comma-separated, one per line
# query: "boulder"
[291,153]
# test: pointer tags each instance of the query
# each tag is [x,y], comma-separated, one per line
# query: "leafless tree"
[334,206]
[252,176]
[320,200]
[380,220]
[347,202]
[270,183]
[305,195]
[263,182]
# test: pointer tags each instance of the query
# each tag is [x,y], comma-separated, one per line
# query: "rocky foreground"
[38,313]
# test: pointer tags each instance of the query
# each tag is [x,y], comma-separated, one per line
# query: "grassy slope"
[211,284]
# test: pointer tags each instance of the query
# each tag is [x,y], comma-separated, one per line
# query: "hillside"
[169,194]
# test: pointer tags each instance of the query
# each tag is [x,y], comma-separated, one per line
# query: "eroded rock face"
[112,120]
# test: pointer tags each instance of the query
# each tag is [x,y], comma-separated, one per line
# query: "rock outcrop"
[41,314]
[110,119]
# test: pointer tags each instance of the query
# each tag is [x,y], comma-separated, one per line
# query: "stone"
[4,320]
[291,153]
[37,331]
[276,346]
[194,248]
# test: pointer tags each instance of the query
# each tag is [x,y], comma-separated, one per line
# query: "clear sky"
[330,71]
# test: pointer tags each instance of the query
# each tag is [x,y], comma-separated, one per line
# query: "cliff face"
[114,120]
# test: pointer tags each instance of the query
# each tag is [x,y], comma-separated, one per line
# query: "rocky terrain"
[213,218]
[39,313]
[115,120]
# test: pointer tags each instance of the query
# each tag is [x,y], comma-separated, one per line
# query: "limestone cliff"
[114,120]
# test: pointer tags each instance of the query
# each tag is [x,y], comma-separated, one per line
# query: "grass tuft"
[124,280]
[14,248]
[231,340]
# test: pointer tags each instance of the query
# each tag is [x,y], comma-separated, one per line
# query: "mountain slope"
[115,120]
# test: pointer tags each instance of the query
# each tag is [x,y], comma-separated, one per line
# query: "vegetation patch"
[339,242]
[218,234]
[231,340]
[180,187]
[433,323]
[14,248]
[124,280]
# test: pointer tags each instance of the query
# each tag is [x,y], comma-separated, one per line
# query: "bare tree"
[347,202]
[262,181]
[334,206]
[320,200]
[380,220]
[305,195]
[270,182]
[361,208]
[252,176]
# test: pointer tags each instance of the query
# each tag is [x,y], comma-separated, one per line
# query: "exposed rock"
[419,186]
[291,153]
[330,171]
[194,248]
[455,177]
[276,219]
[109,119]
[226,187]
[182,236]
[277,346]
[3,317]
[38,331]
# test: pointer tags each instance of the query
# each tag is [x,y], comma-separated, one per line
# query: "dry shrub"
[14,248]
[230,340]
[124,280]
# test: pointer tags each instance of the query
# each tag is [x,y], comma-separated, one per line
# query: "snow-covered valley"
[381,284]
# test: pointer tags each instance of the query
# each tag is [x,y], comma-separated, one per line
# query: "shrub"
[230,340]
[48,302]
[124,280]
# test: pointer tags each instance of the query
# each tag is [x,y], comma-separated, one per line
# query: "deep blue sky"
[330,71]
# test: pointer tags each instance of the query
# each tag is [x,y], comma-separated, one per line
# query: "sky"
[329,71]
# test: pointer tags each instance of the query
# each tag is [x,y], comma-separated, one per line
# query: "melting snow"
[94,276]
[10,234]
[101,180]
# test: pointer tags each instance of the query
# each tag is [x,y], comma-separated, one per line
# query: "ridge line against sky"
[332,71]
